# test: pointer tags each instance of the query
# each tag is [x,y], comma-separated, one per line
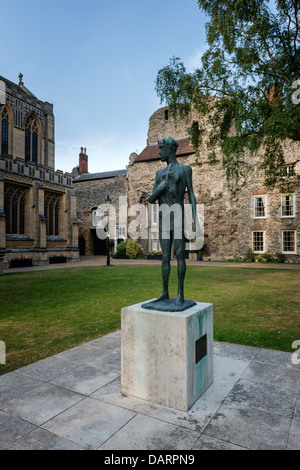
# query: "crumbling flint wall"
[90,194]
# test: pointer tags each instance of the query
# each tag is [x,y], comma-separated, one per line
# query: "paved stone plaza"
[73,401]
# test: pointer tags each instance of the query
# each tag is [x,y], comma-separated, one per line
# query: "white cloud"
[194,61]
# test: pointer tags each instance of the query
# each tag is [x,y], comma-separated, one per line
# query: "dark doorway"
[99,245]
[81,246]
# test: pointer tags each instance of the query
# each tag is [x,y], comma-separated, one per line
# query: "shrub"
[250,255]
[121,250]
[133,249]
[265,257]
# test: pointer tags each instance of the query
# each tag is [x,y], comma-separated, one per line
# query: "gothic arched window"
[4,131]
[14,207]
[31,139]
[52,213]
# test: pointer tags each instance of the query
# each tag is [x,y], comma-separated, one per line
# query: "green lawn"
[45,312]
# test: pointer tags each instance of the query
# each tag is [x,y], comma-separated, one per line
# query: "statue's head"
[167,146]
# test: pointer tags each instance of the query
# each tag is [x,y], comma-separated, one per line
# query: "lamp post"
[108,201]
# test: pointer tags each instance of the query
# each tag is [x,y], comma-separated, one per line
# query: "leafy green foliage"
[121,251]
[133,249]
[244,86]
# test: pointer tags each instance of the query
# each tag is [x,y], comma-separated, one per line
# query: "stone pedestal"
[167,357]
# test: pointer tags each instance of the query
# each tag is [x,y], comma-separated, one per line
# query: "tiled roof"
[99,176]
[151,151]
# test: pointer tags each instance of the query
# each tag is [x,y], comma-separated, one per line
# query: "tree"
[248,81]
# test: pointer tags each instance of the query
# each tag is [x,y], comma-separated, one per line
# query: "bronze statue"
[169,188]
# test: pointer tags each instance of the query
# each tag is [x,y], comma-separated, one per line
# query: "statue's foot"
[163,296]
[179,301]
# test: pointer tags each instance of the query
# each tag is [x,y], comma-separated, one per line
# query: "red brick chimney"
[83,161]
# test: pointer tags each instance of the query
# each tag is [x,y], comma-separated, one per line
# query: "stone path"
[101,261]
[72,401]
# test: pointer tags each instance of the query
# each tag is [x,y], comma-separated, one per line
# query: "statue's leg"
[179,246]
[165,266]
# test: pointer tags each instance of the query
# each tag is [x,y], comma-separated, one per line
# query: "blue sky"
[97,61]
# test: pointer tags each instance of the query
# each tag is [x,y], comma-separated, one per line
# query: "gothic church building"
[38,218]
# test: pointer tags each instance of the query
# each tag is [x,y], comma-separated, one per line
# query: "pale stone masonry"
[37,203]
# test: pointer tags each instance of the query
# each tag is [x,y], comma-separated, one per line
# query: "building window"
[260,207]
[97,218]
[154,214]
[31,139]
[4,131]
[121,232]
[258,242]
[287,205]
[52,201]
[14,207]
[288,171]
[288,241]
[155,245]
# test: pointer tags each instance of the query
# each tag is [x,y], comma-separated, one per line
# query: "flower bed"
[57,259]
[21,262]
[154,255]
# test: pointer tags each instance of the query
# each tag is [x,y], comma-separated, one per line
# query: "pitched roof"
[151,151]
[22,86]
[99,176]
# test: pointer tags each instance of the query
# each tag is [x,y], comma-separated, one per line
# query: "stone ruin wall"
[160,127]
[228,212]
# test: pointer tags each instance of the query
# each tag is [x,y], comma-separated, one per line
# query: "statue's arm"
[157,189]
[192,199]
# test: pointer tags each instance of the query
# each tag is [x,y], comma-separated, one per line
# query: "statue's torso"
[173,197]
[176,182]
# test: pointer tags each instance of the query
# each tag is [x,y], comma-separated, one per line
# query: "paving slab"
[294,441]
[211,443]
[147,433]
[40,439]
[278,358]
[13,385]
[41,403]
[89,423]
[48,368]
[297,408]
[262,396]
[72,401]
[252,428]
[11,429]
[85,379]
[286,377]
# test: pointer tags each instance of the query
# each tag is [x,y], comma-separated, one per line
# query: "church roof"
[20,85]
[99,176]
[151,151]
